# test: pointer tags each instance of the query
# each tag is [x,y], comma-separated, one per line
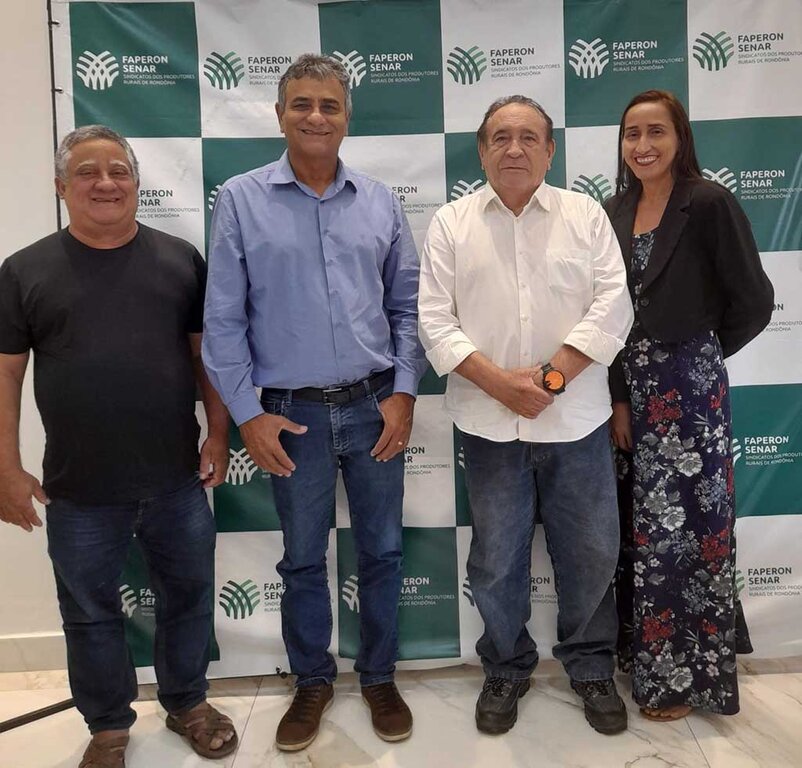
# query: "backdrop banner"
[193,84]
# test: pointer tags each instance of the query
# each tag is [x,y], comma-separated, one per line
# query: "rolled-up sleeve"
[226,353]
[603,330]
[400,275]
[443,339]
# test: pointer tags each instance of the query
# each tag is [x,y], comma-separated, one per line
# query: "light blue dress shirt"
[308,290]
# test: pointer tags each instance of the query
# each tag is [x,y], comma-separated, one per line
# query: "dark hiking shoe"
[604,708]
[497,706]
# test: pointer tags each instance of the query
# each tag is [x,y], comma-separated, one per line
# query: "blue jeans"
[339,437]
[572,487]
[88,546]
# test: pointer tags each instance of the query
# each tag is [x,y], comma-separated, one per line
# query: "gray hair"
[481,134]
[319,68]
[91,133]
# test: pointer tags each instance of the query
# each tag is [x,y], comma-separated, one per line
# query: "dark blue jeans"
[339,437]
[572,486]
[88,546]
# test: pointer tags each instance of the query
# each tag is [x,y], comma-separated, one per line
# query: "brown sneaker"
[301,721]
[391,717]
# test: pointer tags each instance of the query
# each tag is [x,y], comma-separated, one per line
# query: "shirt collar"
[488,195]
[283,174]
[541,196]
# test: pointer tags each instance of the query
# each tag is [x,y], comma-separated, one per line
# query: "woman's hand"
[621,426]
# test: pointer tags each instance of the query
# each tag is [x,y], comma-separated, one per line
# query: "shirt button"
[525,318]
[644,302]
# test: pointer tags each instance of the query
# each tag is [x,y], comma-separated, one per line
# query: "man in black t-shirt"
[112,310]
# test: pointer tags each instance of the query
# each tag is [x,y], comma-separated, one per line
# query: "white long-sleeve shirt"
[516,288]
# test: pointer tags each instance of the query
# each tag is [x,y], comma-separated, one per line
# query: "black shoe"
[497,706]
[604,708]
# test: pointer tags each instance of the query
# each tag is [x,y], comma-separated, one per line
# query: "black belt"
[347,392]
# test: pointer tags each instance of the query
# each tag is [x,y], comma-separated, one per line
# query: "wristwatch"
[553,380]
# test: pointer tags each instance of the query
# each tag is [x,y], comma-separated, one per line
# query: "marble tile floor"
[551,730]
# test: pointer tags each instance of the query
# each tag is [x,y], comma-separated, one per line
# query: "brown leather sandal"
[105,754]
[200,725]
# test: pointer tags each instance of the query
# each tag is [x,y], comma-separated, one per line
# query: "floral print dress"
[683,546]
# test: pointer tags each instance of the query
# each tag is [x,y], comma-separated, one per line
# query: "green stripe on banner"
[767,449]
[616,49]
[392,51]
[428,609]
[244,502]
[759,161]
[135,67]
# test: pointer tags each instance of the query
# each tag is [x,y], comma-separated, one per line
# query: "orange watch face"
[554,380]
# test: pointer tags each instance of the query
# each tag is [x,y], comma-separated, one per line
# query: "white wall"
[30,627]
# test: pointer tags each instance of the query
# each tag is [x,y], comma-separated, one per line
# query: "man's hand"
[213,461]
[621,426]
[397,414]
[519,389]
[260,436]
[16,489]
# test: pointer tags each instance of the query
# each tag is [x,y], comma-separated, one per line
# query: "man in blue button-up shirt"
[312,295]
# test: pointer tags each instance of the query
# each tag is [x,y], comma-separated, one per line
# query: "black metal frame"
[51,22]
[38,714]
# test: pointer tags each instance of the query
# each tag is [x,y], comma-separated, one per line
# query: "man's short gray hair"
[481,134]
[319,68]
[92,133]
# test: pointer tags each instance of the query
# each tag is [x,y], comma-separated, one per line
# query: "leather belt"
[345,393]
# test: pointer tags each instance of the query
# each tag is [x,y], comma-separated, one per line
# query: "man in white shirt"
[523,302]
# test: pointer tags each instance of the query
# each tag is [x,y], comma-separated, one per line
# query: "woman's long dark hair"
[685,165]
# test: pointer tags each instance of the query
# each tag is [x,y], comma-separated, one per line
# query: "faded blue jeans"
[572,486]
[88,546]
[339,437]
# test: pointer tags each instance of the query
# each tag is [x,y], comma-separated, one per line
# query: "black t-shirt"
[113,373]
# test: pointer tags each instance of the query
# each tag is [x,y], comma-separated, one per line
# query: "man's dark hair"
[319,68]
[481,134]
[92,133]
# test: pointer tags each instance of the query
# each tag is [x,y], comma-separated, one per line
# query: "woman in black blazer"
[700,294]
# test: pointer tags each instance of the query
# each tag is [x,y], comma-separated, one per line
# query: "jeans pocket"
[374,401]
[275,406]
[379,395]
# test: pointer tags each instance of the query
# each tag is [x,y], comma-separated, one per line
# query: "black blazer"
[704,272]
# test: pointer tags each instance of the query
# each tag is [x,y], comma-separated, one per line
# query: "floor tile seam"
[689,724]
[247,722]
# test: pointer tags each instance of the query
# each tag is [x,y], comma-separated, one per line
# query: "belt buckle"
[336,396]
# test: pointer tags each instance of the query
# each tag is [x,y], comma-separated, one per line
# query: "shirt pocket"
[569,270]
